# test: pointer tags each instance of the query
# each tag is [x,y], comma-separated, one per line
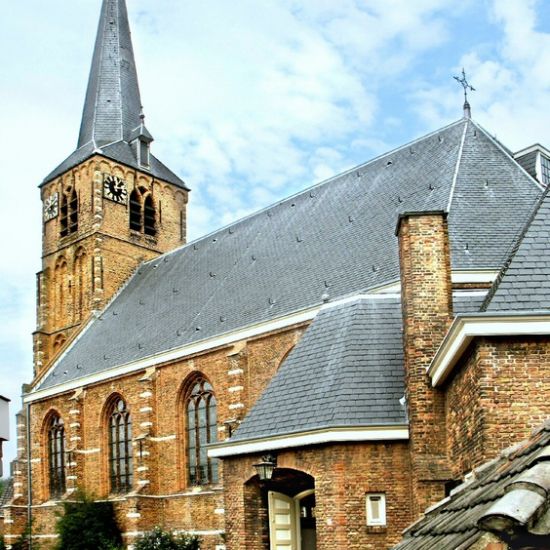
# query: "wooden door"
[283,524]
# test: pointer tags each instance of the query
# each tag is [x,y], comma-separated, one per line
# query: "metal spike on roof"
[112,109]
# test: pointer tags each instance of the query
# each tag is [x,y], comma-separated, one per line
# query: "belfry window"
[135,211]
[69,212]
[201,419]
[142,212]
[56,456]
[149,217]
[120,448]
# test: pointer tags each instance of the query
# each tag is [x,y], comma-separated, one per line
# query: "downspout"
[29,475]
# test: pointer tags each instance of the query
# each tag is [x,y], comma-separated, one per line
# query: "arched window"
[201,428]
[135,211]
[56,456]
[120,447]
[149,217]
[69,212]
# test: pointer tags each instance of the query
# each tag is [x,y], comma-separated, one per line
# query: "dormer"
[140,140]
[536,161]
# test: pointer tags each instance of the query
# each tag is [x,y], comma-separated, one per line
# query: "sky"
[252,100]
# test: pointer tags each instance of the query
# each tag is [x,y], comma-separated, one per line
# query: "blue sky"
[252,100]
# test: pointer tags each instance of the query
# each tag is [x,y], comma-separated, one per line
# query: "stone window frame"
[119,456]
[198,469]
[54,447]
[142,213]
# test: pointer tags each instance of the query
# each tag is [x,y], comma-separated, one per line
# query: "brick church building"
[312,376]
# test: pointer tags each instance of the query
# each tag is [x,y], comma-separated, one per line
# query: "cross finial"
[467,86]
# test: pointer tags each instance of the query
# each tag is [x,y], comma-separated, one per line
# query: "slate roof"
[524,282]
[112,109]
[113,105]
[512,491]
[120,152]
[336,237]
[347,370]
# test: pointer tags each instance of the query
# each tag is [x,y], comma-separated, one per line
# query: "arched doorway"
[291,511]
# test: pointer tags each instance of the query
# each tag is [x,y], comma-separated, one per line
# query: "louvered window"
[149,217]
[69,213]
[135,211]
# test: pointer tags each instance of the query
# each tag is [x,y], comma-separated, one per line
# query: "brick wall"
[497,396]
[343,474]
[162,494]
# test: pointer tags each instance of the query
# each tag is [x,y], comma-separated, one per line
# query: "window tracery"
[201,429]
[121,469]
[56,456]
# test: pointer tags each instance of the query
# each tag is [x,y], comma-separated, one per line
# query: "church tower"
[110,205]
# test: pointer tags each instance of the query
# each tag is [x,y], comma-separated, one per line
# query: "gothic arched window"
[69,212]
[56,456]
[201,428]
[149,217]
[135,211]
[121,467]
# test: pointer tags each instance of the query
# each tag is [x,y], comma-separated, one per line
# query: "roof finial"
[467,86]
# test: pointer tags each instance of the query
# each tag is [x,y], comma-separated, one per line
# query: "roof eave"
[465,328]
[332,434]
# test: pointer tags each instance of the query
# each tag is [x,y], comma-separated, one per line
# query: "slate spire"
[113,105]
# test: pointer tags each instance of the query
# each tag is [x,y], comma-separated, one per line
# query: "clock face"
[114,188]
[51,207]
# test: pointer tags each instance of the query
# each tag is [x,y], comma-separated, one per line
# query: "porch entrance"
[292,524]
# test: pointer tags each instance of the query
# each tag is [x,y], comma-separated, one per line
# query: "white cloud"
[512,79]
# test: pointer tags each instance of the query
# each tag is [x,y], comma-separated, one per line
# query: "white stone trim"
[480,276]
[329,435]
[175,354]
[383,292]
[465,328]
[163,438]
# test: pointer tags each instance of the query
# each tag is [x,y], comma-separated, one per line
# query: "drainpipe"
[29,475]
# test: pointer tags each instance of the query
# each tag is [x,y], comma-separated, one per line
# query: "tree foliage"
[88,525]
[157,539]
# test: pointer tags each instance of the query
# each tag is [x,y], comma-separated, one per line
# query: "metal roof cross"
[467,86]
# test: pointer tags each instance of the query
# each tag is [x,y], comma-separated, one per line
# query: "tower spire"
[112,107]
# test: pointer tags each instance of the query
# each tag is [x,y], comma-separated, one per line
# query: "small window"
[376,509]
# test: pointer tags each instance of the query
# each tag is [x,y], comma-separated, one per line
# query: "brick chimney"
[426,298]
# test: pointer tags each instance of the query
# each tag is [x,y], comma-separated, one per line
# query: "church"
[313,376]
